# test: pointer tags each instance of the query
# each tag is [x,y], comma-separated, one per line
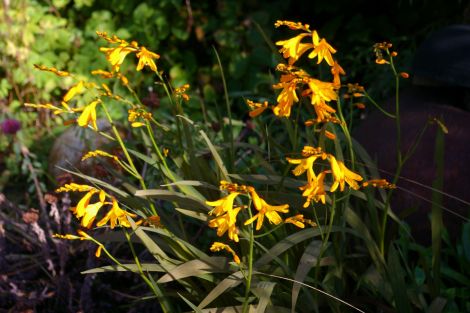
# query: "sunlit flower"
[116,56]
[226,222]
[116,216]
[74,90]
[88,115]
[314,189]
[256,108]
[264,209]
[146,57]
[322,91]
[87,212]
[222,205]
[342,174]
[292,49]
[217,246]
[288,95]
[322,50]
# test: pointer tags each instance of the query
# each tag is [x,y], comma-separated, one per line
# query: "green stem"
[400,161]
[128,157]
[347,134]
[250,267]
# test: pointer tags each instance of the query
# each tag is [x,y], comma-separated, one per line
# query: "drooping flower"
[217,246]
[88,115]
[322,50]
[288,95]
[292,49]
[314,189]
[264,209]
[74,90]
[87,212]
[342,174]
[226,222]
[146,57]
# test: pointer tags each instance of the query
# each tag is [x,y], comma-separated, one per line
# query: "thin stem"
[400,161]
[250,266]
[128,157]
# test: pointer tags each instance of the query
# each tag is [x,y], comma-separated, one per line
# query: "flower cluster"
[225,213]
[295,83]
[116,55]
[314,190]
[87,211]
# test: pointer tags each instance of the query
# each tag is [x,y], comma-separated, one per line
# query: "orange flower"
[264,209]
[322,50]
[146,57]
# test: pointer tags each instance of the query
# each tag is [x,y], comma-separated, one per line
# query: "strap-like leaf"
[196,268]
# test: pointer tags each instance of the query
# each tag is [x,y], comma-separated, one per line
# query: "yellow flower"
[314,190]
[304,165]
[115,216]
[226,222]
[146,57]
[88,115]
[342,174]
[222,205]
[75,89]
[287,97]
[292,49]
[116,56]
[86,211]
[321,91]
[256,108]
[322,50]
[217,246]
[323,112]
[264,209]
